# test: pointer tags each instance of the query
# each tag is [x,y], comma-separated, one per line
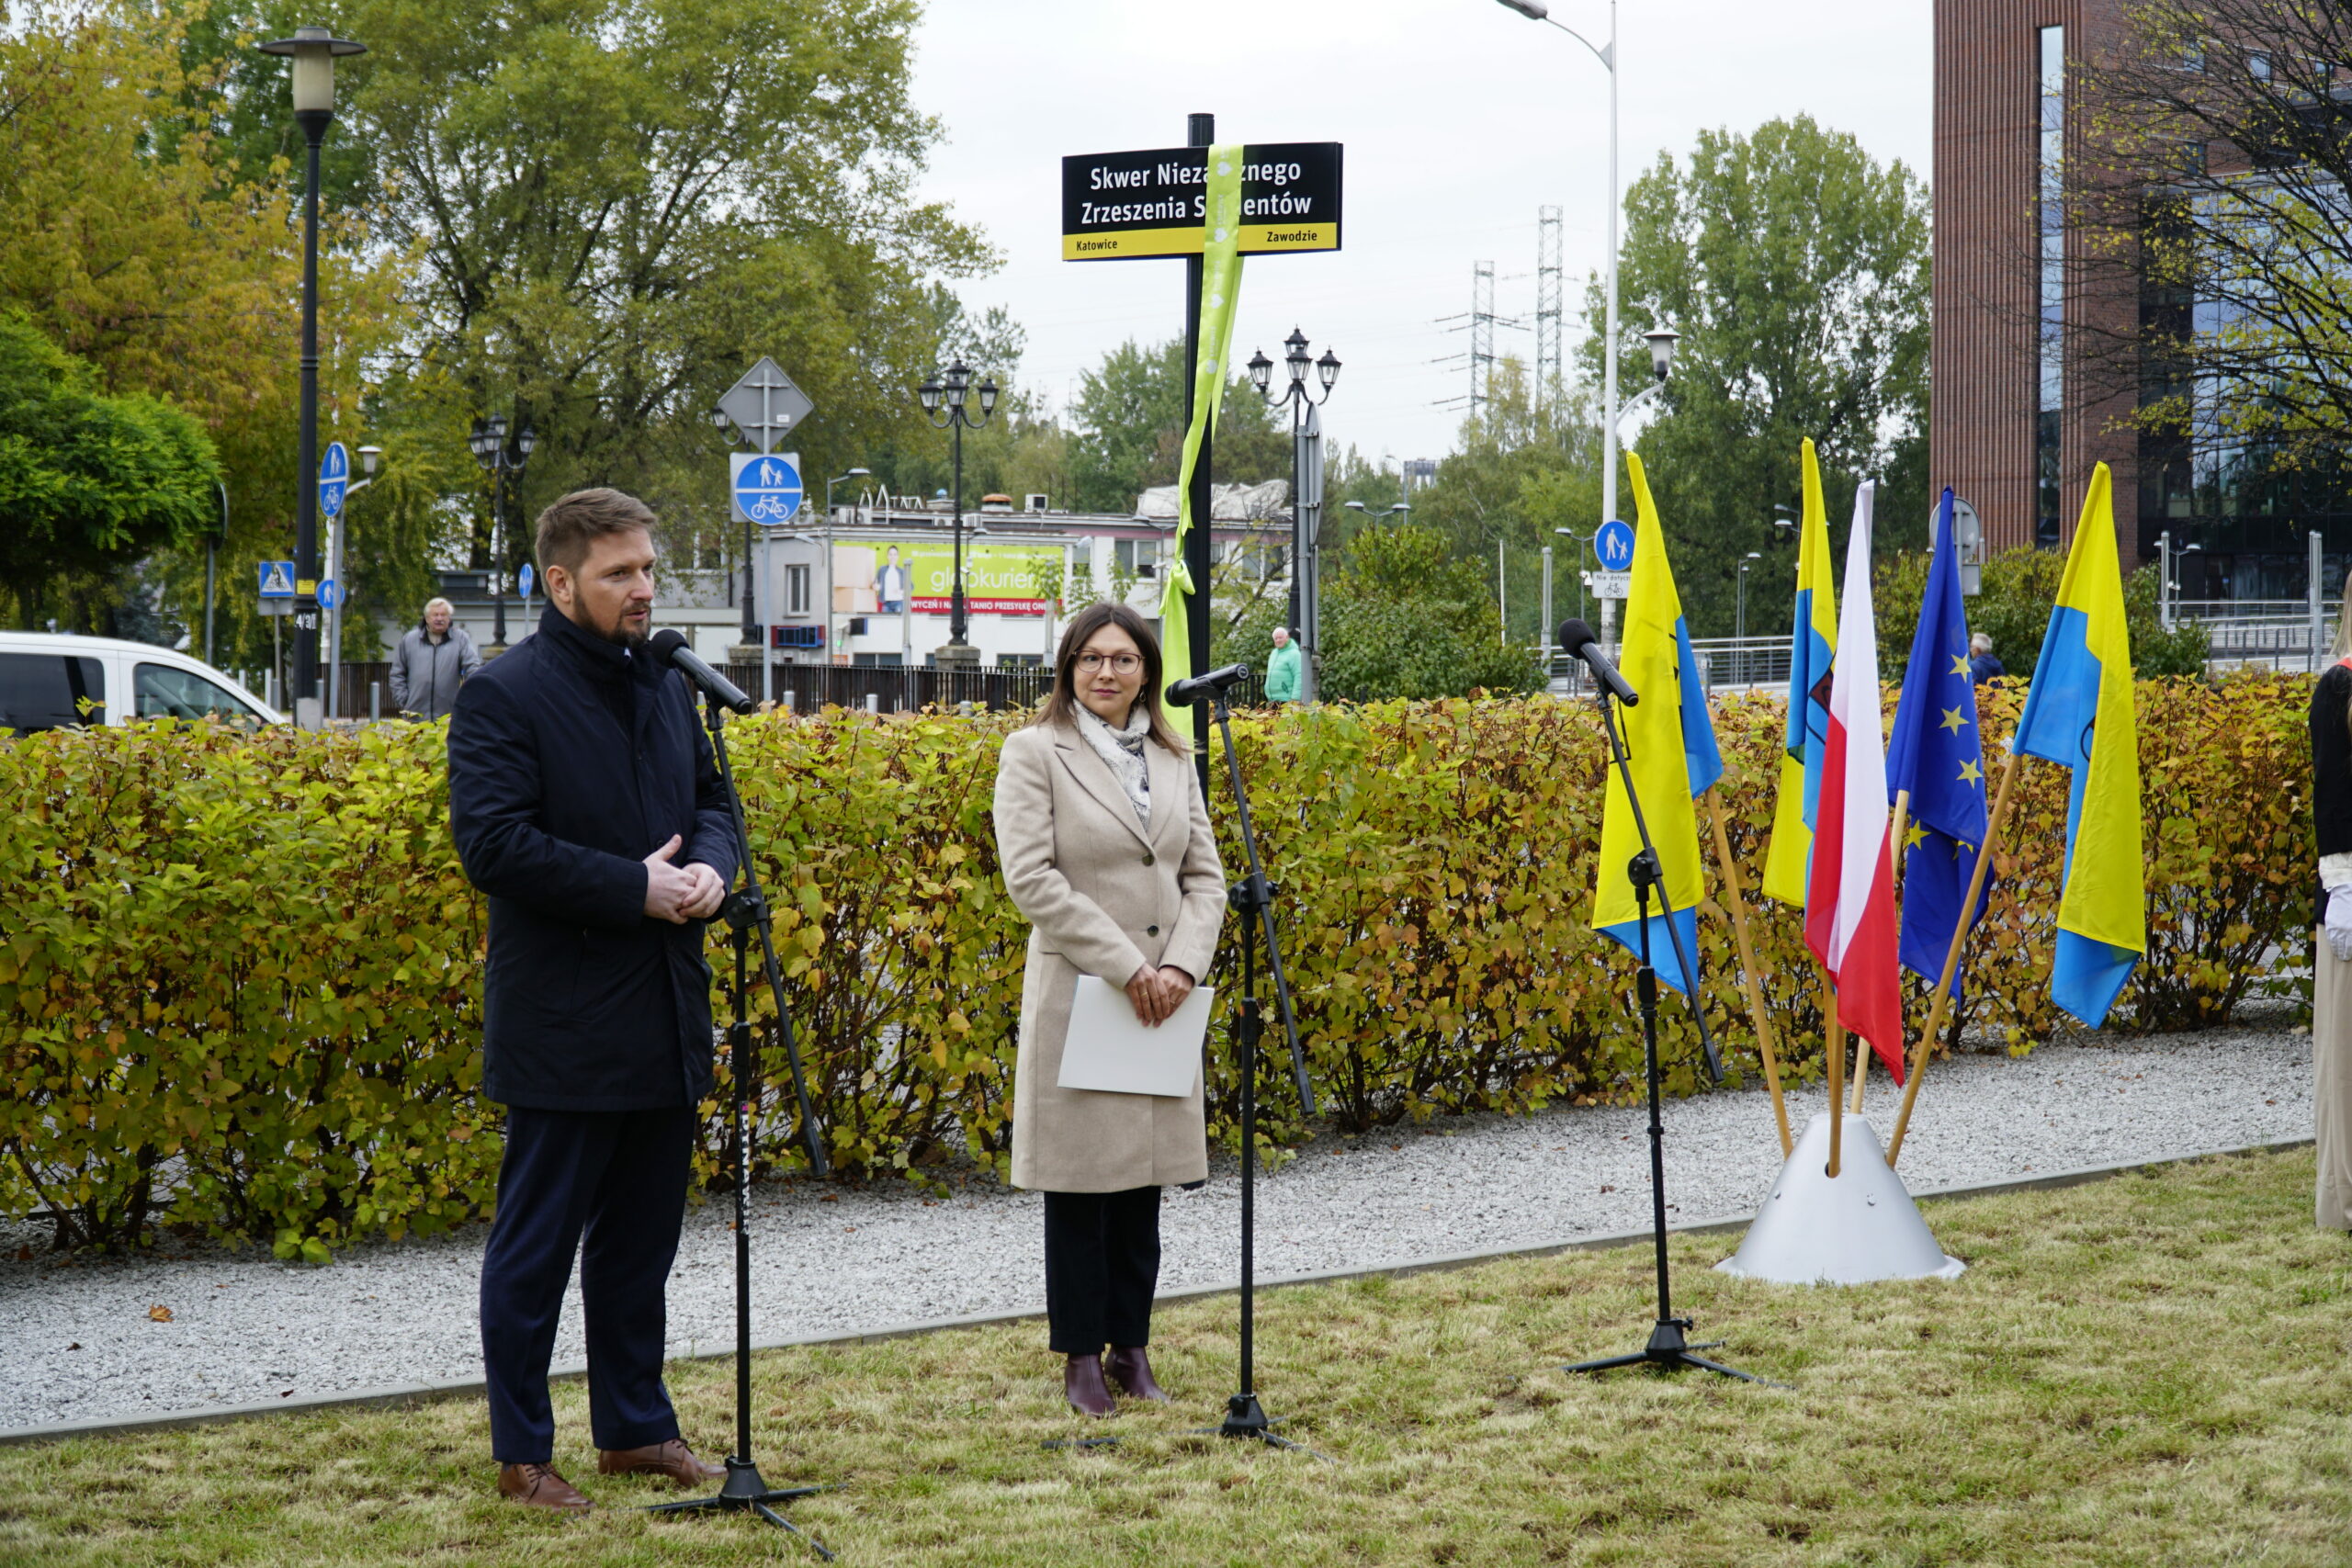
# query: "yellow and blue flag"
[1812,647]
[2079,714]
[1670,745]
[1936,754]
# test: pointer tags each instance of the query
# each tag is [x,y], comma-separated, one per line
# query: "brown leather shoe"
[541,1487]
[1083,1386]
[1130,1369]
[672,1458]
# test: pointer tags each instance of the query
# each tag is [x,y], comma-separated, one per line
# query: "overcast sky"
[1460,118]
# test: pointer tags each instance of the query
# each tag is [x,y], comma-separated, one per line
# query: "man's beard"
[621,632]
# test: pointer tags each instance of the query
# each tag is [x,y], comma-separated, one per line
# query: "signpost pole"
[1200,130]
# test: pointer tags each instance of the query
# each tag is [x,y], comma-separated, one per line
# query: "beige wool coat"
[1105,897]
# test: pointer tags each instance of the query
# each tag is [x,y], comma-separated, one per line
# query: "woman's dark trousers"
[1102,1266]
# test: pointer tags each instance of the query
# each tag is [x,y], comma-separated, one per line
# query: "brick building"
[2020,411]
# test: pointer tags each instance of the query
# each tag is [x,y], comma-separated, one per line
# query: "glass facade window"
[2050,399]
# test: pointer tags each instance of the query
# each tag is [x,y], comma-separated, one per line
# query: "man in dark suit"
[585,803]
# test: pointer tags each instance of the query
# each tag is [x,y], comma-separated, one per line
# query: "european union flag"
[1937,754]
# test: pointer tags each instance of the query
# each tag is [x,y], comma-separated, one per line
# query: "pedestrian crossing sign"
[277,579]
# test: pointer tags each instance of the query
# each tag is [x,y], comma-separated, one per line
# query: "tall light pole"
[500,458]
[1298,398]
[313,52]
[945,400]
[1740,616]
[1582,541]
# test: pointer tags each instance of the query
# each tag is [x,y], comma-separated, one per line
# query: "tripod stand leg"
[1704,1364]
[786,1525]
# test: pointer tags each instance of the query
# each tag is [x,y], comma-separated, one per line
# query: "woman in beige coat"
[1106,847]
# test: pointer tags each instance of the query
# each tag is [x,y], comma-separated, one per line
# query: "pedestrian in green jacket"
[1283,669]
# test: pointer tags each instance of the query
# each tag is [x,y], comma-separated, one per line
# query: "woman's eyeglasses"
[1123,663]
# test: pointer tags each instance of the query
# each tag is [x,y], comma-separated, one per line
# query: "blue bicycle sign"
[767,488]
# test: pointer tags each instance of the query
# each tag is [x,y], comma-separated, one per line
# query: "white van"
[46,678]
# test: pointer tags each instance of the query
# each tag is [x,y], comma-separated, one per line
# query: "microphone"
[1576,637]
[1200,688]
[669,647]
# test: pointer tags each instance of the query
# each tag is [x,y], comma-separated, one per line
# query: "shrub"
[240,976]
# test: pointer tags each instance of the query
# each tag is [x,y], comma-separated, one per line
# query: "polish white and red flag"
[1850,894]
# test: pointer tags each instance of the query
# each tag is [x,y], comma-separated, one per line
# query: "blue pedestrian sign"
[334,478]
[330,593]
[523,580]
[277,579]
[767,487]
[1613,546]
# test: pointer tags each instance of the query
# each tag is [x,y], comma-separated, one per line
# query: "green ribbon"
[1220,288]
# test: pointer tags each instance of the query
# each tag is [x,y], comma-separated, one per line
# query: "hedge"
[240,976]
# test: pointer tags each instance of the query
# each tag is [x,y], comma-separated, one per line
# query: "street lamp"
[1741,633]
[313,52]
[946,403]
[1661,340]
[1582,542]
[1537,11]
[1298,400]
[723,424]
[500,458]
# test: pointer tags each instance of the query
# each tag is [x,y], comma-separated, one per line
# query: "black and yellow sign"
[1122,206]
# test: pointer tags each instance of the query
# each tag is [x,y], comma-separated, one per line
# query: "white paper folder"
[1108,1048]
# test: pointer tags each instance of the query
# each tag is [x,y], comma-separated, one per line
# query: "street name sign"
[765,487]
[334,478]
[1123,205]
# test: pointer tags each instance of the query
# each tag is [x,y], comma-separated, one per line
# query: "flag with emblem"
[1937,756]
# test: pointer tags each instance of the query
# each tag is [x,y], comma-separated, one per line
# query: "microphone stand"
[1669,1346]
[747,908]
[1254,897]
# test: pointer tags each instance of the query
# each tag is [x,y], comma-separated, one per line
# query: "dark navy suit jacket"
[571,760]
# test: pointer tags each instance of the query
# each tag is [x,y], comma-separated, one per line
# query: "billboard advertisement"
[919,576]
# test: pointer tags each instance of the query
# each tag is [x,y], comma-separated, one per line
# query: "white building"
[874,585]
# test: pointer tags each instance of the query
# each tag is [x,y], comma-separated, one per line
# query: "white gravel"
[79,1342]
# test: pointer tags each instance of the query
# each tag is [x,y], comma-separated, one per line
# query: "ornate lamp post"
[500,458]
[946,403]
[313,52]
[1297,398]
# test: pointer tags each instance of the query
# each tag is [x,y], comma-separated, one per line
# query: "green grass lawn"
[2145,1370]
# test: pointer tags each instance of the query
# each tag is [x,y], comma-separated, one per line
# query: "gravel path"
[79,1342]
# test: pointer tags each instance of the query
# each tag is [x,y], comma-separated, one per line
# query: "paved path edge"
[397,1395]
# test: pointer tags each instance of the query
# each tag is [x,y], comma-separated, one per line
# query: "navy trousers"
[610,1186]
[1102,1266]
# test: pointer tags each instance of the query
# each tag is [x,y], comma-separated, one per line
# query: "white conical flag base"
[1858,1227]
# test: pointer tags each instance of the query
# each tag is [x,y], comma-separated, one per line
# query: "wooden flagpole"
[1861,1070]
[1942,1002]
[1836,1069]
[1747,970]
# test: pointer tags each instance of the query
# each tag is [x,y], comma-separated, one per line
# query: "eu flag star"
[1959,664]
[1952,721]
[1913,837]
[1969,772]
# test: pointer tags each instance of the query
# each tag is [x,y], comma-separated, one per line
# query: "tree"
[2211,262]
[1527,466]
[2020,589]
[88,483]
[1404,620]
[139,246]
[1795,267]
[1129,419]
[612,208]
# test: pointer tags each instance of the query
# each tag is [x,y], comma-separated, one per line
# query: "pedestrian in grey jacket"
[432,662]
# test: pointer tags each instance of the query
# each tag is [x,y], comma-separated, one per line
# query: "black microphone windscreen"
[1574,635]
[666,641]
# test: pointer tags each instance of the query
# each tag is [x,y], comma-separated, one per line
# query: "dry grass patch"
[2147,1370]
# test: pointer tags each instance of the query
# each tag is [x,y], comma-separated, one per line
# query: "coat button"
[1148,857]
[1151,931]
